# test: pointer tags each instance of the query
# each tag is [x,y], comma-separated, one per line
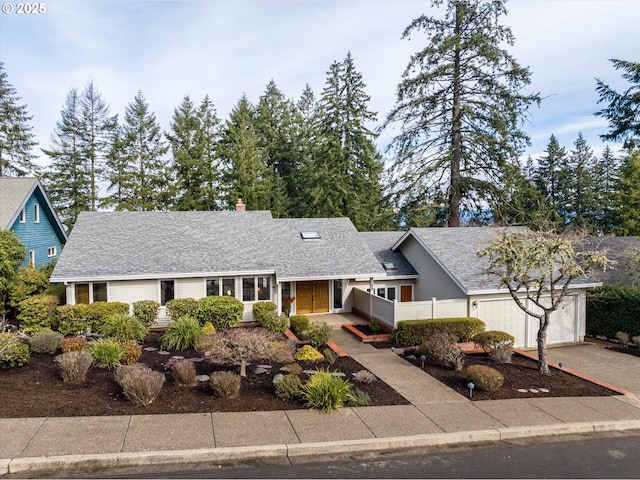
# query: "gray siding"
[433,281]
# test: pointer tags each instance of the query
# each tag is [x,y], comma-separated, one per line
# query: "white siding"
[131,291]
[433,281]
[190,288]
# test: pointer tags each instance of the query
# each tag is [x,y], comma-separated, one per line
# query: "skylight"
[310,235]
[389,266]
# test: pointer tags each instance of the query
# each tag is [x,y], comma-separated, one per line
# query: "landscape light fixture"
[422,359]
[471,386]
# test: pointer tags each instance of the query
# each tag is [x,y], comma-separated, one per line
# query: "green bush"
[208,329]
[308,354]
[326,392]
[498,344]
[74,344]
[124,328]
[222,312]
[273,322]
[45,341]
[358,398]
[106,352]
[225,384]
[320,334]
[98,313]
[612,309]
[72,319]
[131,352]
[73,366]
[299,324]
[289,387]
[38,313]
[181,307]
[416,332]
[263,309]
[139,383]
[27,283]
[13,353]
[484,378]
[146,311]
[182,334]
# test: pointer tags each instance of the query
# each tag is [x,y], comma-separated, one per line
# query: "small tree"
[12,253]
[538,269]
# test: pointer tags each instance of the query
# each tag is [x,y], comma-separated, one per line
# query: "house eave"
[159,276]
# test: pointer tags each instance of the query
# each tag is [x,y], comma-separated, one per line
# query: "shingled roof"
[14,192]
[380,243]
[128,245]
[616,249]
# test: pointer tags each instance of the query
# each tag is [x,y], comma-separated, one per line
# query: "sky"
[227,48]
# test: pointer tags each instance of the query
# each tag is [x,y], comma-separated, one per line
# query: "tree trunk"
[543,365]
[456,141]
[243,368]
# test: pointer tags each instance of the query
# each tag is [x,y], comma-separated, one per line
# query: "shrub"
[146,311]
[319,334]
[37,313]
[623,339]
[139,383]
[613,308]
[308,354]
[416,332]
[326,392]
[261,310]
[222,312]
[293,368]
[358,398]
[273,322]
[485,378]
[72,319]
[329,355]
[498,344]
[73,344]
[74,365]
[364,376]
[131,352]
[13,353]
[208,329]
[123,328]
[636,340]
[45,341]
[442,349]
[106,352]
[182,334]
[225,384]
[289,388]
[98,313]
[184,373]
[181,307]
[299,324]
[28,282]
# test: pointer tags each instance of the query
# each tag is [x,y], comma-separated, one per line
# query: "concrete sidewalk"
[436,416]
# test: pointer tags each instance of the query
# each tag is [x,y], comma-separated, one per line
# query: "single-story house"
[25,209]
[325,264]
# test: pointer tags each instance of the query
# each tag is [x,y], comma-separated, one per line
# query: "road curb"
[299,453]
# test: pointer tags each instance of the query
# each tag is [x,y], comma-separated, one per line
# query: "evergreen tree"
[578,186]
[67,178]
[549,172]
[623,109]
[137,170]
[606,174]
[246,175]
[16,137]
[193,138]
[97,137]
[629,195]
[459,105]
[347,167]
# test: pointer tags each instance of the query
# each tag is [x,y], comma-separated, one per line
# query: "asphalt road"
[615,455]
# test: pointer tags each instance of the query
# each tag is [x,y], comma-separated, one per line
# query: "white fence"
[391,312]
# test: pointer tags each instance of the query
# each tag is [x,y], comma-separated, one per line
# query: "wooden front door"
[406,293]
[312,297]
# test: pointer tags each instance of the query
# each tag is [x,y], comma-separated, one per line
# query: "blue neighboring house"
[26,210]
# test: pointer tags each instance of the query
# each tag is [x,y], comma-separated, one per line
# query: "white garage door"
[562,324]
[506,316]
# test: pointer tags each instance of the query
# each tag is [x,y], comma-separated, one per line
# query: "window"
[381,292]
[337,294]
[213,287]
[264,288]
[286,293]
[99,292]
[167,291]
[310,235]
[389,266]
[229,287]
[32,258]
[391,293]
[51,252]
[22,216]
[221,286]
[82,293]
[386,292]
[248,289]
[36,213]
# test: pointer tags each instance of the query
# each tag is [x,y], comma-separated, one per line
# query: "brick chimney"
[240,207]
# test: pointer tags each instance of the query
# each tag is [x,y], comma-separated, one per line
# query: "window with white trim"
[51,251]
[221,286]
[32,258]
[36,213]
[22,216]
[167,291]
[256,288]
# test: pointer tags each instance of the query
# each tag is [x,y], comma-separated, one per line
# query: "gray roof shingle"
[112,245]
[380,243]
[13,193]
[618,250]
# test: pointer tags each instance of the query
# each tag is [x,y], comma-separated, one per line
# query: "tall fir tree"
[606,174]
[347,166]
[548,172]
[459,106]
[67,178]
[246,174]
[628,212]
[136,170]
[98,130]
[16,137]
[578,186]
[194,135]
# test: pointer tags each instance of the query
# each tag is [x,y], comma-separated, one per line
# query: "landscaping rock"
[196,359]
[151,349]
[202,378]
[260,371]
[277,377]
